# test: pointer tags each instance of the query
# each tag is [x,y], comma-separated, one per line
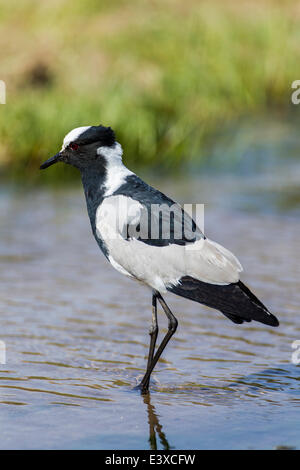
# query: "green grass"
[165,75]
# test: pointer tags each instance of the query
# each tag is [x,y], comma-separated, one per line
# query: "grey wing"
[160,261]
[162,221]
[162,225]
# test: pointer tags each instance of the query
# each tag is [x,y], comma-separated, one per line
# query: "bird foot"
[142,388]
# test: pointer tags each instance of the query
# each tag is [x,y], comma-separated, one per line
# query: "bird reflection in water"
[155,428]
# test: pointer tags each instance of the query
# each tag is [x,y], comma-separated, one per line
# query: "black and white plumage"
[166,254]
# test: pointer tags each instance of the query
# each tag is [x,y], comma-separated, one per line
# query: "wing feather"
[119,223]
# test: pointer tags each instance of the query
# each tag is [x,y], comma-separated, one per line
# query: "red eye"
[74,146]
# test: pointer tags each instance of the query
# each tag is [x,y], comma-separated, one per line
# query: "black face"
[82,151]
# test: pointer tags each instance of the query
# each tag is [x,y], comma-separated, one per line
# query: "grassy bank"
[165,75]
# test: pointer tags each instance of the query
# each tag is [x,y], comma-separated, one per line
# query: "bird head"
[87,146]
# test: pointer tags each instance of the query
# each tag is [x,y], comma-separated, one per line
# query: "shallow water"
[76,331]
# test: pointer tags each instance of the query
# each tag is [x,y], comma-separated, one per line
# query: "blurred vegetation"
[166,75]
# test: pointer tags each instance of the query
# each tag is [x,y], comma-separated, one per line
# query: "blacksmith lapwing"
[150,238]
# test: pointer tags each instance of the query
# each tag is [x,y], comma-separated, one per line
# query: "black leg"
[153,332]
[172,326]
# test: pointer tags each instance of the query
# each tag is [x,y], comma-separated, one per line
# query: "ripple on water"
[76,336]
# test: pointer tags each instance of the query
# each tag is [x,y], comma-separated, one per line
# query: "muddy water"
[76,331]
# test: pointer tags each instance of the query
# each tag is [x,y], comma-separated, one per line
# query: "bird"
[150,238]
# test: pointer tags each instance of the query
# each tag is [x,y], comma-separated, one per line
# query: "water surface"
[76,331]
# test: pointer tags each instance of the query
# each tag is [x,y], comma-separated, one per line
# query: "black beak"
[50,161]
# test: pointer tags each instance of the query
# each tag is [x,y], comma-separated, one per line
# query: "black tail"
[235,301]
